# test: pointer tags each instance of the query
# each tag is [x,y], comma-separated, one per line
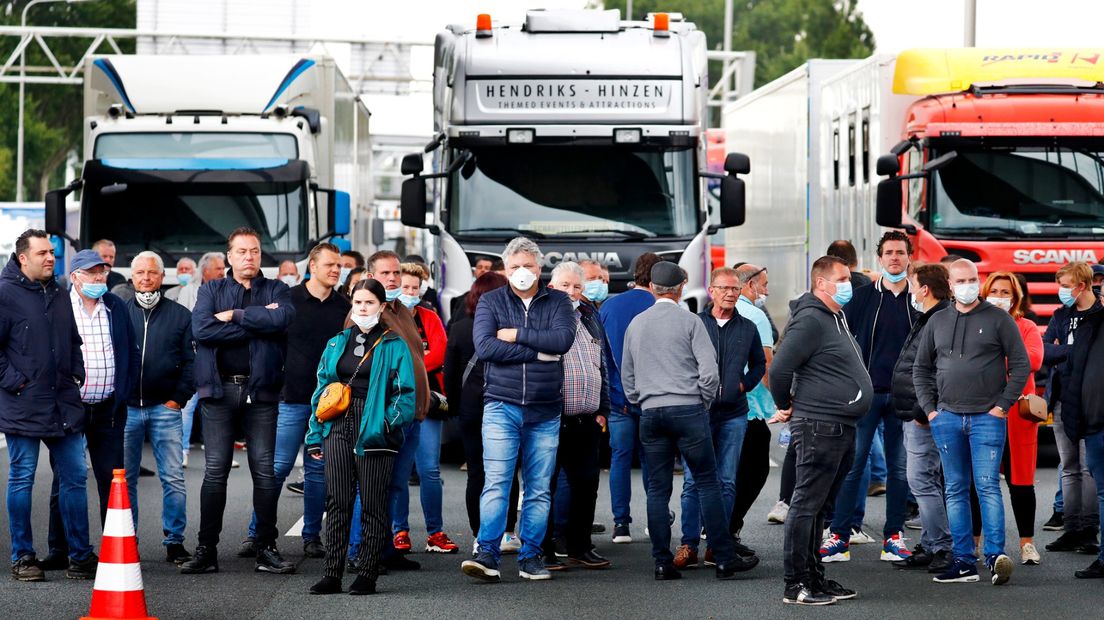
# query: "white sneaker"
[185,460]
[510,543]
[234,464]
[475,548]
[859,537]
[778,513]
[1030,555]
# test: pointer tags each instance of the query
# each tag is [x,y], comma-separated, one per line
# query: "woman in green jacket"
[360,446]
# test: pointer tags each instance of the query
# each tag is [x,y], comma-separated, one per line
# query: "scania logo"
[608,259]
[1042,257]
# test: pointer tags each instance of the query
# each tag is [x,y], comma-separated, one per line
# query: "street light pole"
[970,25]
[22,88]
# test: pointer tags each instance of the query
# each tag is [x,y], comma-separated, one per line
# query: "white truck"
[814,134]
[181,150]
[579,130]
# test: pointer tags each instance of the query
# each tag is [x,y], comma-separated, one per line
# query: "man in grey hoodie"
[669,369]
[970,368]
[821,386]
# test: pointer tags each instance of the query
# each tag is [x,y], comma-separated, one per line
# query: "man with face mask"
[971,367]
[166,351]
[595,282]
[520,333]
[880,318]
[110,365]
[289,273]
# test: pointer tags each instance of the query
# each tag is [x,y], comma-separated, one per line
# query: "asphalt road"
[626,590]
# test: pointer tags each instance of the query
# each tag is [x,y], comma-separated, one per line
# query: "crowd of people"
[351,366]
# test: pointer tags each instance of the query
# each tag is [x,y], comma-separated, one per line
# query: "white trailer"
[181,150]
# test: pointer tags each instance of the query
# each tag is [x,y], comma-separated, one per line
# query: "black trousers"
[753,471]
[577,457]
[471,432]
[345,473]
[823,452]
[103,432]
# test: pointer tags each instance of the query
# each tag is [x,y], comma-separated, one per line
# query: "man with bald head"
[971,368]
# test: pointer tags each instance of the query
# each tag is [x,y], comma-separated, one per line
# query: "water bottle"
[784,436]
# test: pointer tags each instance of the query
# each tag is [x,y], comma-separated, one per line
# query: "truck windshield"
[574,191]
[196,144]
[1020,190]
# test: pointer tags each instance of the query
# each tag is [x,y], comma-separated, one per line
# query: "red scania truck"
[1001,160]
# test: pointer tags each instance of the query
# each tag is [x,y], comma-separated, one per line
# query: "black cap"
[666,273]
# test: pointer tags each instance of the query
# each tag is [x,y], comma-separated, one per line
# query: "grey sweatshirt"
[817,367]
[668,359]
[960,363]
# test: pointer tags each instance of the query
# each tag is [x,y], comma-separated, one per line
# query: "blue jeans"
[663,430]
[187,418]
[67,454]
[624,430]
[1094,459]
[505,433]
[853,492]
[424,453]
[972,442]
[877,463]
[728,441]
[162,426]
[291,429]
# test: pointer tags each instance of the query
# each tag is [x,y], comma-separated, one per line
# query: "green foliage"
[782,33]
[52,117]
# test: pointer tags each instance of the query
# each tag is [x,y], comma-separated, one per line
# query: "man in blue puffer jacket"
[520,334]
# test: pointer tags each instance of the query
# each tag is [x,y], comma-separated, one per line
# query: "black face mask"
[1096,290]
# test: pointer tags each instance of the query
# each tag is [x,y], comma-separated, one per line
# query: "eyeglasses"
[361,339]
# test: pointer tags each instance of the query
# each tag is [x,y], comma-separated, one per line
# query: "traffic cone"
[118,591]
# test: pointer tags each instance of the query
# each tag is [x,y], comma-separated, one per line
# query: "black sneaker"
[597,528]
[362,586]
[327,585]
[26,568]
[177,554]
[1069,541]
[54,561]
[591,559]
[1094,571]
[270,561]
[621,535]
[1000,567]
[740,564]
[314,549]
[84,569]
[667,572]
[1055,523]
[835,590]
[248,548]
[958,572]
[561,547]
[399,561]
[295,487]
[205,560]
[1089,545]
[802,594]
[483,567]
[553,563]
[941,561]
[919,560]
[742,549]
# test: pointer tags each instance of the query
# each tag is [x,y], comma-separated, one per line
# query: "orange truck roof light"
[483,25]
[661,25]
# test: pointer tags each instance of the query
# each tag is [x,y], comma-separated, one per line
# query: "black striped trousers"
[345,472]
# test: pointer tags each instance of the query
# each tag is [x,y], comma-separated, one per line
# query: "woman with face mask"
[425,451]
[360,446]
[1021,448]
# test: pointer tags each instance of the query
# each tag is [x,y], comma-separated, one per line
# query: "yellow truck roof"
[936,71]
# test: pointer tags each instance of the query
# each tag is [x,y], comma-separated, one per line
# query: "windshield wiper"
[628,234]
[495,229]
[989,231]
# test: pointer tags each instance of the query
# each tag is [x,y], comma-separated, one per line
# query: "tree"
[52,113]
[782,33]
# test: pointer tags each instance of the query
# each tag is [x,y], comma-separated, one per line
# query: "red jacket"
[434,342]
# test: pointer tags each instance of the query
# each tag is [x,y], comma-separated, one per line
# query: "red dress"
[1023,435]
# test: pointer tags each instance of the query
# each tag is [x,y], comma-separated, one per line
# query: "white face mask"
[424,287]
[289,280]
[148,300]
[967,294]
[575,304]
[917,305]
[1004,303]
[366,321]
[522,279]
[760,302]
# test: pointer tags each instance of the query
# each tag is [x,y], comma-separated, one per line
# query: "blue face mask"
[843,293]
[393,294]
[596,290]
[409,300]
[1065,295]
[94,290]
[344,275]
[894,278]
[184,278]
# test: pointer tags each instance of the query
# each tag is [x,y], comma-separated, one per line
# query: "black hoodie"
[961,361]
[817,367]
[904,391]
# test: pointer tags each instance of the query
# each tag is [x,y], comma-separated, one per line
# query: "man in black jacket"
[163,331]
[738,346]
[930,294]
[41,369]
[818,377]
[240,325]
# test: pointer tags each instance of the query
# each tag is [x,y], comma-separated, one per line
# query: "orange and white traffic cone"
[118,591]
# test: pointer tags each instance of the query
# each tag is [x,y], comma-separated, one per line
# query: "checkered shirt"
[97,348]
[582,386]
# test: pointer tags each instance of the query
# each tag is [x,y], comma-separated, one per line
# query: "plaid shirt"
[582,386]
[97,348]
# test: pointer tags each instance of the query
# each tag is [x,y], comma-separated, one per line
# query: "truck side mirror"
[413,201]
[887,165]
[378,232]
[412,164]
[55,211]
[888,210]
[737,163]
[733,209]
